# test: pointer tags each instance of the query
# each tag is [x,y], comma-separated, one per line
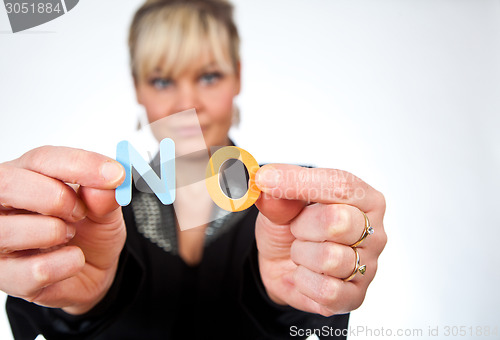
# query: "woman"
[97,271]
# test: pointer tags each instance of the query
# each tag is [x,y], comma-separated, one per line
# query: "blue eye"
[161,83]
[210,78]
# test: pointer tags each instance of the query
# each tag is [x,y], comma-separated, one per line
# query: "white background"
[404,94]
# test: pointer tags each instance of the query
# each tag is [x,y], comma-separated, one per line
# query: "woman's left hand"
[308,220]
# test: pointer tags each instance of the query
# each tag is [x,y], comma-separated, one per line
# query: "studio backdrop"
[403,94]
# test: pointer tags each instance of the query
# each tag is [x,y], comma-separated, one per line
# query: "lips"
[188,131]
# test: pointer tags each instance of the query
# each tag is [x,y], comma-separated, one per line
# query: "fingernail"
[268,178]
[79,211]
[70,232]
[112,171]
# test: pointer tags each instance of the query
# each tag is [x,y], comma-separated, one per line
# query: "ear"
[238,79]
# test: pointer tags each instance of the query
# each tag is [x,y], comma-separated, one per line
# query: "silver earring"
[236,116]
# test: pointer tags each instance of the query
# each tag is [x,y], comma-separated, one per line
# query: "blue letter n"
[163,187]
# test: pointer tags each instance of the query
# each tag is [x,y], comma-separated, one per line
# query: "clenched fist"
[308,220]
[61,230]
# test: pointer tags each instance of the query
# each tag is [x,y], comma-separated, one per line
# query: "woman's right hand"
[60,244]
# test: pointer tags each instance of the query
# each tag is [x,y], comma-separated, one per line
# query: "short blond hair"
[167,36]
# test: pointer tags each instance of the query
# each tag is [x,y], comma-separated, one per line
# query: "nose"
[187,97]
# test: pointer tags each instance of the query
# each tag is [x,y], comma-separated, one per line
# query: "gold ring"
[357,267]
[367,231]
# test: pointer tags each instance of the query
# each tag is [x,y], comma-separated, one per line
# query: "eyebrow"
[158,72]
[209,66]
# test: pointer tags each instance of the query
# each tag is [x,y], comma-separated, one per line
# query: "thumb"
[273,240]
[102,234]
[272,230]
[101,204]
[278,210]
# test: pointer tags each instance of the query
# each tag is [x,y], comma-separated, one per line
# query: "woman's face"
[203,87]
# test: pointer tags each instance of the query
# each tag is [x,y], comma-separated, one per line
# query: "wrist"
[269,282]
[274,298]
[106,283]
